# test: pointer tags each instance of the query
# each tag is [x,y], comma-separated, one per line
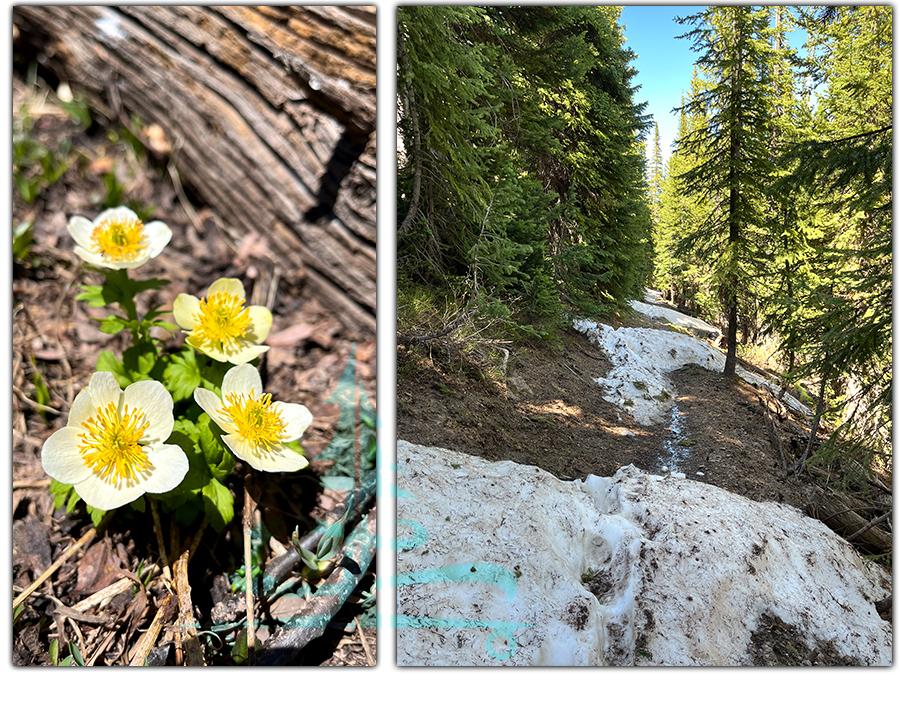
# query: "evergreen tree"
[842,317]
[735,160]
[657,174]
[521,173]
[684,280]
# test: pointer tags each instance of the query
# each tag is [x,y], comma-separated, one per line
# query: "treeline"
[521,178]
[773,215]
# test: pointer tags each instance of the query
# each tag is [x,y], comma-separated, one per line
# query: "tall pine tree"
[840,320]
[735,160]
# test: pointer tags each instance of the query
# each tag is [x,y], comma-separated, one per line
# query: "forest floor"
[66,168]
[567,428]
[564,426]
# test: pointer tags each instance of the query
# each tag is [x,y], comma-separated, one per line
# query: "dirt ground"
[56,342]
[566,427]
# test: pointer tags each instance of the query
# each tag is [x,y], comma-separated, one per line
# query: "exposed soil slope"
[567,428]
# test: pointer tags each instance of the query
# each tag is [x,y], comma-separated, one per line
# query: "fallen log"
[270,113]
[846,516]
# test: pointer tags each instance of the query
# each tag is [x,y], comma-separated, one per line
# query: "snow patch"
[701,328]
[519,568]
[643,356]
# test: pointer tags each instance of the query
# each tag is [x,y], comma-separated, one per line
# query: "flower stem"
[249,507]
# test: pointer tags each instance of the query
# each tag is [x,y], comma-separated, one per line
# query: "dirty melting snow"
[701,328]
[504,564]
[642,358]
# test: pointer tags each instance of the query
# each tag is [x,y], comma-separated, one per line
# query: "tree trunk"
[270,112]
[846,516]
[731,308]
[734,227]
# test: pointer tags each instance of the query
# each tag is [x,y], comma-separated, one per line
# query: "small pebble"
[700,474]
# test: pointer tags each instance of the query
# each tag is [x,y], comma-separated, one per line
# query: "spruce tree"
[733,149]
[842,326]
[656,175]
[521,174]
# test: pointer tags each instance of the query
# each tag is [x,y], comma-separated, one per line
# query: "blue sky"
[664,64]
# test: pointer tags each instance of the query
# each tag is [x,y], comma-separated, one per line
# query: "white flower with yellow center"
[112,448]
[221,326]
[117,239]
[256,429]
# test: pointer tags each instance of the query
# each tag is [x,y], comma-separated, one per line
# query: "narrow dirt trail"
[566,424]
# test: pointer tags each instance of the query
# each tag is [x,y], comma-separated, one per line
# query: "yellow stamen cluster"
[111,447]
[223,319]
[121,240]
[257,421]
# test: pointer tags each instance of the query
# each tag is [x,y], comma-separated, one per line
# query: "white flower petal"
[168,465]
[120,264]
[243,355]
[82,408]
[242,380]
[204,347]
[106,495]
[90,257]
[60,457]
[81,230]
[296,419]
[104,389]
[211,405]
[261,323]
[158,236]
[226,285]
[186,311]
[117,214]
[281,460]
[156,404]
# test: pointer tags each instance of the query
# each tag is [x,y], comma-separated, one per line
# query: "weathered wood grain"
[270,111]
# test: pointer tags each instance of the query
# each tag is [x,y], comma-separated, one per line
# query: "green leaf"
[78,109]
[76,654]
[239,652]
[60,492]
[164,324]
[295,445]
[186,434]
[42,393]
[23,233]
[182,375]
[218,457]
[112,324]
[96,515]
[28,188]
[140,359]
[93,294]
[108,363]
[309,558]
[54,652]
[138,286]
[74,498]
[218,504]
